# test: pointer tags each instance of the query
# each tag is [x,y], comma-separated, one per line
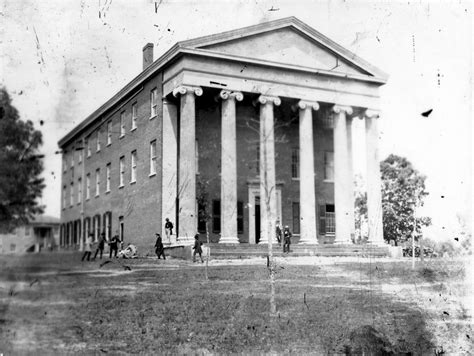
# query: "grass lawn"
[55,304]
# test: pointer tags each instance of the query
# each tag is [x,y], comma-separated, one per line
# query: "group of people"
[113,244]
[160,249]
[284,235]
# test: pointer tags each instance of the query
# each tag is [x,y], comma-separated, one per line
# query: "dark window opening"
[296,218]
[216,216]
[240,217]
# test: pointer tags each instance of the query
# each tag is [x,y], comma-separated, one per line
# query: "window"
[327,221]
[96,227]
[79,155]
[121,228]
[64,197]
[107,181]
[216,216]
[295,162]
[134,116]
[109,133]
[107,221]
[87,227]
[240,217]
[122,124]
[153,157]
[71,195]
[97,182]
[64,162]
[12,247]
[257,165]
[329,166]
[88,186]
[27,231]
[296,218]
[79,191]
[133,175]
[153,103]
[122,170]
[88,147]
[72,158]
[98,141]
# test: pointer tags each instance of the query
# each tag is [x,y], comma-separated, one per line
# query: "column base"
[229,240]
[308,241]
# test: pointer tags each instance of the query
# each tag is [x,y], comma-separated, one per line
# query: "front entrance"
[257,220]
[254,211]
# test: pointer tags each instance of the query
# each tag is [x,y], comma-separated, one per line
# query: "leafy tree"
[20,167]
[403,190]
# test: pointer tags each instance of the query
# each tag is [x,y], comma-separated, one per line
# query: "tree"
[403,190]
[20,167]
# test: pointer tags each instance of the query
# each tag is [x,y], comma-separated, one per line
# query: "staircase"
[240,251]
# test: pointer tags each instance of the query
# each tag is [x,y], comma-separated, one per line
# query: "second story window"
[88,147]
[64,197]
[88,186]
[98,141]
[97,182]
[152,157]
[122,124]
[79,191]
[109,133]
[329,166]
[71,195]
[134,116]
[121,171]
[295,162]
[133,175]
[153,103]
[107,178]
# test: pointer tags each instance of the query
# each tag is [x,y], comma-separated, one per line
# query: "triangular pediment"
[286,46]
[289,42]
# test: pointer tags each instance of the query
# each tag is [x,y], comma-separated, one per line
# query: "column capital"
[228,94]
[371,114]
[184,89]
[303,104]
[341,108]
[263,99]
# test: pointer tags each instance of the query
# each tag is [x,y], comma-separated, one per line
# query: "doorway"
[254,207]
[257,219]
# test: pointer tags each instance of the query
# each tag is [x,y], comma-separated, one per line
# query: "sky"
[61,60]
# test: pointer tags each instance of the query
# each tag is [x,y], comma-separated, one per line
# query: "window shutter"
[322,219]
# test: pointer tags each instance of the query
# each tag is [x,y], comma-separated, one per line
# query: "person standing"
[87,248]
[278,231]
[100,246]
[159,248]
[114,245]
[197,248]
[168,229]
[286,239]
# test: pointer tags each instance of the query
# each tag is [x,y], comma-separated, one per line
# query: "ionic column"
[307,190]
[187,216]
[374,194]
[342,178]
[170,164]
[268,207]
[350,166]
[229,167]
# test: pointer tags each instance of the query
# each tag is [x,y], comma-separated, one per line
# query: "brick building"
[250,126]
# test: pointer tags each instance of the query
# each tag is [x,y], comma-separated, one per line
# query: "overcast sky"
[62,59]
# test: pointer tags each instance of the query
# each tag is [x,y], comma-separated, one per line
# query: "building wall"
[23,238]
[138,203]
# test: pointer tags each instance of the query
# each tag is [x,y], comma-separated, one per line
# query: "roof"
[44,219]
[197,46]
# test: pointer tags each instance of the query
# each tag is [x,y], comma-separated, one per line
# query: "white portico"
[280,63]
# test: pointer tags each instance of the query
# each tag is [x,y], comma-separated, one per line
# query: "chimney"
[147,55]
